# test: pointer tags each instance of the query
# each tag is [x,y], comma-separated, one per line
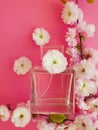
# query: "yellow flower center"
[69,13]
[21,116]
[54,62]
[40,36]
[22,65]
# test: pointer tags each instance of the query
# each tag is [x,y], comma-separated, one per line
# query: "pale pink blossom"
[4,113]
[73,53]
[84,69]
[95,125]
[72,126]
[70,13]
[70,37]
[80,15]
[90,54]
[95,77]
[93,106]
[81,103]
[86,29]
[43,125]
[82,122]
[61,127]
[85,88]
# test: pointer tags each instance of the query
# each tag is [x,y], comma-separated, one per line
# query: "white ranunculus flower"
[22,65]
[21,116]
[54,61]
[71,13]
[40,36]
[4,113]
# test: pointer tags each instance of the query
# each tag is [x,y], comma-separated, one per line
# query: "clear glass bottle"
[52,93]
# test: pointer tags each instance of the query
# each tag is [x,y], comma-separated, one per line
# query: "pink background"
[18,19]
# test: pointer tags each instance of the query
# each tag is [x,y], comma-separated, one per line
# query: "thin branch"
[81,46]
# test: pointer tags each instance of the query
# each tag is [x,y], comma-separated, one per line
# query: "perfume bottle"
[52,93]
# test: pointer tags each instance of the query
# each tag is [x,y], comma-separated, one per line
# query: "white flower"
[82,122]
[22,65]
[40,36]
[21,116]
[4,113]
[90,54]
[86,29]
[93,106]
[43,125]
[54,61]
[84,69]
[71,37]
[85,87]
[71,13]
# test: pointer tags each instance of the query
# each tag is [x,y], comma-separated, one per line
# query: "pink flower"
[71,37]
[90,54]
[96,125]
[84,69]
[85,87]
[43,125]
[73,53]
[83,122]
[81,103]
[93,106]
[95,78]
[86,29]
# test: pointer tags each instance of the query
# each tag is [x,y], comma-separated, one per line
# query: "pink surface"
[18,18]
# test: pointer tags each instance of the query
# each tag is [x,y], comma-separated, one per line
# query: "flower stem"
[81,46]
[80,38]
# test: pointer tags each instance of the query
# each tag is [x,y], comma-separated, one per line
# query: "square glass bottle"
[52,93]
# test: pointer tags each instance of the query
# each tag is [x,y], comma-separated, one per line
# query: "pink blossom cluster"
[84,61]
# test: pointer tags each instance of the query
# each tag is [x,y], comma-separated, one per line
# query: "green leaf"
[83,38]
[63,1]
[90,1]
[57,118]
